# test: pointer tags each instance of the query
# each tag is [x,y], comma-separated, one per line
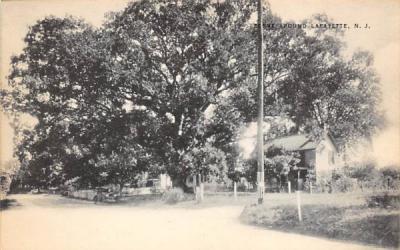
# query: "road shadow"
[8,204]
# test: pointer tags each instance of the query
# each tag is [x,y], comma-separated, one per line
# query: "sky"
[382,39]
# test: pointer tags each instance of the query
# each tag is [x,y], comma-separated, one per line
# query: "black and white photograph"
[199,124]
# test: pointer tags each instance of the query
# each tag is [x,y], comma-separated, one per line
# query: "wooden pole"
[260,121]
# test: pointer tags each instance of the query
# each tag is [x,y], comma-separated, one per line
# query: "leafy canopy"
[167,86]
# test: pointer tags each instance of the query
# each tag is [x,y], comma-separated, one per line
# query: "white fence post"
[195,187]
[299,205]
[201,191]
[289,187]
[235,190]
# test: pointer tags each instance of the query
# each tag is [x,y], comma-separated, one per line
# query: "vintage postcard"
[199,124]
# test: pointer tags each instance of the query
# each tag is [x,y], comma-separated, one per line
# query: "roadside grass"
[273,199]
[349,216]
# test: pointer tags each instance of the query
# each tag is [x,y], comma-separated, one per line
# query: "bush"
[337,181]
[344,184]
[323,184]
[358,176]
[174,196]
[241,187]
[391,175]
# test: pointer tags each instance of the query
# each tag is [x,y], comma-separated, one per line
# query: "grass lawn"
[336,216]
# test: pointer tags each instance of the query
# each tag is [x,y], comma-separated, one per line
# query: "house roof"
[292,143]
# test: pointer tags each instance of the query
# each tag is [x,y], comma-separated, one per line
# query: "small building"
[321,156]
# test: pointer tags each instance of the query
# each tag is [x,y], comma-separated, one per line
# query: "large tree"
[62,78]
[155,68]
[176,60]
[174,79]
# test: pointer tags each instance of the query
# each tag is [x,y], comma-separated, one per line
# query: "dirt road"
[55,223]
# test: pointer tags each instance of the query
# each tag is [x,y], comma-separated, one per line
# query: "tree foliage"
[309,80]
[166,86]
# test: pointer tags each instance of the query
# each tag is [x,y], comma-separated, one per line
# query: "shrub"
[391,176]
[323,184]
[360,176]
[344,184]
[241,187]
[337,181]
[174,196]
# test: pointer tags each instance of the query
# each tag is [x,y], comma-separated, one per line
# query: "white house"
[321,156]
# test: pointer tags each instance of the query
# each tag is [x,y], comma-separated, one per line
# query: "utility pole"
[260,121]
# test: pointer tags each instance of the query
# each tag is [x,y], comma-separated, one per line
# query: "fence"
[89,194]
[82,194]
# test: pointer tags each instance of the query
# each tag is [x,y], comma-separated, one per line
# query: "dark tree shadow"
[8,203]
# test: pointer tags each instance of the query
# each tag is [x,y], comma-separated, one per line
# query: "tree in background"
[311,82]
[311,87]
[207,161]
